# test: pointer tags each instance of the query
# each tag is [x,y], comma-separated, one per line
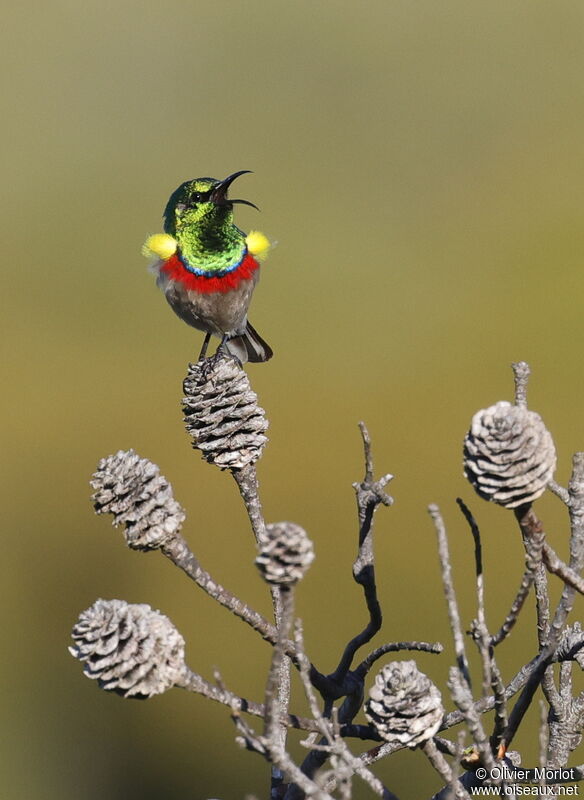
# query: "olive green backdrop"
[421,167]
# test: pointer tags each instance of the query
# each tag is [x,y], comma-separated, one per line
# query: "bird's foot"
[203,352]
[223,345]
[223,350]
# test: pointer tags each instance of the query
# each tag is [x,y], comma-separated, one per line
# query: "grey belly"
[217,312]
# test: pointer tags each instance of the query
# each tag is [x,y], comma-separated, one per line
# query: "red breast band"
[176,271]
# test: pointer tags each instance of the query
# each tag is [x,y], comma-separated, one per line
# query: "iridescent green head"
[200,216]
[201,204]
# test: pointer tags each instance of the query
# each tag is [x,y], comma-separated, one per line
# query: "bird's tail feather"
[249,346]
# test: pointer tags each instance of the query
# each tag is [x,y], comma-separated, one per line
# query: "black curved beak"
[219,193]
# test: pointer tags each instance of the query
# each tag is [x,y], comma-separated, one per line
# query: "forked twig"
[370,494]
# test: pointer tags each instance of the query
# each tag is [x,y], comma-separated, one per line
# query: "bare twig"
[521,374]
[449,592]
[560,492]
[576,563]
[296,777]
[576,510]
[282,764]
[474,529]
[491,674]
[566,718]
[193,682]
[370,494]
[178,551]
[247,482]
[492,680]
[273,728]
[449,792]
[460,692]
[331,730]
[323,724]
[394,647]
[565,723]
[443,768]
[562,570]
[533,548]
[533,540]
[445,745]
[348,765]
[501,718]
[517,683]
[479,630]
[565,682]
[248,738]
[543,738]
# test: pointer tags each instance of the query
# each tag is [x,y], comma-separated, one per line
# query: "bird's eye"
[197,197]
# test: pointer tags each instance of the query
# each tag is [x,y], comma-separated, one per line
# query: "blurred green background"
[421,167]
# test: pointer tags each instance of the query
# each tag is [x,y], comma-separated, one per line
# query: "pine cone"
[222,414]
[286,554]
[509,455]
[129,649]
[404,706]
[139,497]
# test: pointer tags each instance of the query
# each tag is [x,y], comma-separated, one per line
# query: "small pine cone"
[222,414]
[128,648]
[139,497]
[286,554]
[509,455]
[404,706]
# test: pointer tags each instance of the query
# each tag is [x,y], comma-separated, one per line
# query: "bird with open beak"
[207,267]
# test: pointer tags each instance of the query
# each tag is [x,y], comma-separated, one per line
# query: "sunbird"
[207,267]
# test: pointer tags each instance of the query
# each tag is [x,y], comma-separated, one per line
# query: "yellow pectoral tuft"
[257,244]
[160,245]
